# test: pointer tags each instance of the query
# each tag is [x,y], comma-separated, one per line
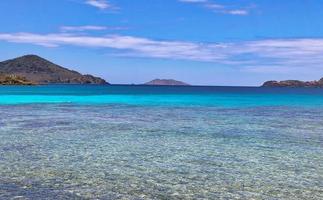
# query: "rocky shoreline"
[14,80]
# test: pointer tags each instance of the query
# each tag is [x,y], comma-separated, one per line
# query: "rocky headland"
[294,83]
[36,70]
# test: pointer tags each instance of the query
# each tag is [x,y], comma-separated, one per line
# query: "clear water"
[139,142]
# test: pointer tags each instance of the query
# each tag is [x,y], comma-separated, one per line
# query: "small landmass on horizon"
[167,82]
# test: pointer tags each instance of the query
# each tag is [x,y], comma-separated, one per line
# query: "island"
[166,82]
[32,69]
[294,83]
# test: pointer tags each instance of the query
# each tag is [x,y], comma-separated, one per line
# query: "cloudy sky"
[203,42]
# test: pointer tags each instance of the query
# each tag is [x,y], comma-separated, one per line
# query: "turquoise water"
[161,96]
[140,142]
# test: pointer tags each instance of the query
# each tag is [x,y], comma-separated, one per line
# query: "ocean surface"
[146,142]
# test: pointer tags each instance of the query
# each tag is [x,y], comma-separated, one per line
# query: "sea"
[160,142]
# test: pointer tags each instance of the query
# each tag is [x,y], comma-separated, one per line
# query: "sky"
[201,42]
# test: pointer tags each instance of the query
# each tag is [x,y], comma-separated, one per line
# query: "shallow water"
[126,142]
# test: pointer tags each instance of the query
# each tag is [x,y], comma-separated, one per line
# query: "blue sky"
[203,42]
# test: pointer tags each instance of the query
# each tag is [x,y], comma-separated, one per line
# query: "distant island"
[166,82]
[294,83]
[32,69]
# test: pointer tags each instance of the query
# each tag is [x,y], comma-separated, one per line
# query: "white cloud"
[83,28]
[236,12]
[292,53]
[214,6]
[101,4]
[90,28]
[133,46]
[218,8]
